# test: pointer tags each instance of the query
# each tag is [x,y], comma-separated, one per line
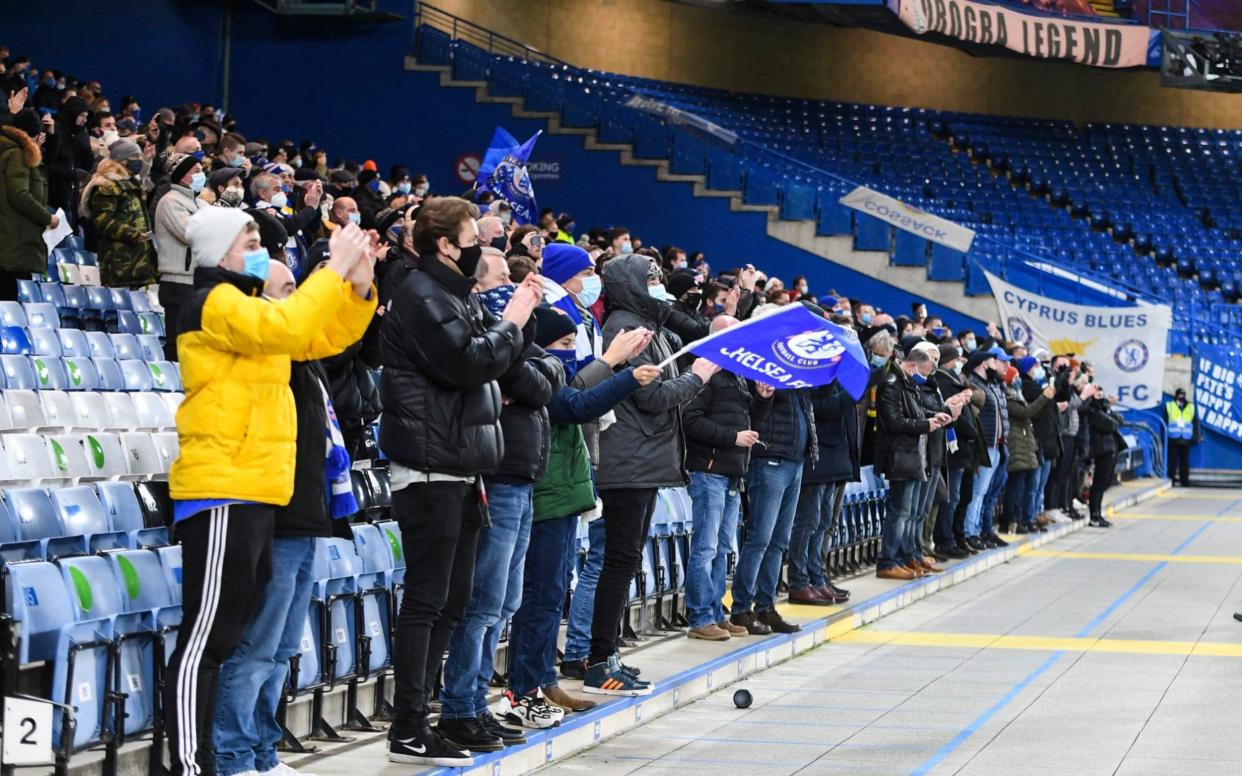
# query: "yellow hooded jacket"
[238,425]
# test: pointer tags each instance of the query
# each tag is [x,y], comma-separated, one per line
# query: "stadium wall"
[757,53]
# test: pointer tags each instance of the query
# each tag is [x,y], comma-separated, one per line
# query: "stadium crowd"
[523,375]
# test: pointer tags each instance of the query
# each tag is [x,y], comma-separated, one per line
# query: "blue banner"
[792,348]
[510,179]
[1218,393]
[502,143]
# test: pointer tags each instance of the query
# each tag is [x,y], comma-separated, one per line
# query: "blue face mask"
[877,360]
[197,181]
[866,319]
[256,264]
[198,155]
[237,161]
[373,185]
[1038,374]
[957,368]
[718,307]
[937,331]
[355,218]
[591,288]
[405,187]
[968,345]
[627,247]
[658,292]
[569,359]
[918,378]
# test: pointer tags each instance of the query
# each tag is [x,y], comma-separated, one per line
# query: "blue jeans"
[582,607]
[716,507]
[536,624]
[499,562]
[252,680]
[772,489]
[983,480]
[1018,497]
[806,542]
[1037,498]
[904,497]
[995,490]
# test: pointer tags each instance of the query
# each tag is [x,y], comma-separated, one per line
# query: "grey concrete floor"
[1134,703]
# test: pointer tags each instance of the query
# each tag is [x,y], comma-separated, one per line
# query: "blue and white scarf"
[341,501]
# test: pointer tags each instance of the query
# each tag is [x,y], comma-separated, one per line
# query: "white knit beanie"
[212,231]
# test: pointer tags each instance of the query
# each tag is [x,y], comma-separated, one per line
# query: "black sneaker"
[1099,522]
[997,541]
[773,620]
[469,734]
[574,669]
[508,735]
[426,747]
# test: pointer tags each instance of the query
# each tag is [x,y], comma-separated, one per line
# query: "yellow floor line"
[1039,643]
[1139,556]
[1194,496]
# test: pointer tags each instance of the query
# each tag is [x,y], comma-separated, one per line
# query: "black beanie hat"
[28,121]
[272,233]
[679,283]
[551,326]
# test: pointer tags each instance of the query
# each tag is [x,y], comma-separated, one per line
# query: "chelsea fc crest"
[1131,355]
[809,350]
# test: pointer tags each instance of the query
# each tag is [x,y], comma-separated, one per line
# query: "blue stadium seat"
[125,346]
[336,569]
[81,514]
[73,343]
[41,315]
[164,376]
[18,372]
[49,373]
[151,323]
[127,322]
[82,374]
[12,546]
[110,376]
[44,342]
[99,344]
[12,314]
[125,514]
[28,291]
[136,375]
[15,341]
[152,348]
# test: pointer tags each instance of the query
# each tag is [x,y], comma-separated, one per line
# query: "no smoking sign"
[468,168]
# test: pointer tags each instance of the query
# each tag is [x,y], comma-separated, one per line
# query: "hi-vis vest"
[1181,420]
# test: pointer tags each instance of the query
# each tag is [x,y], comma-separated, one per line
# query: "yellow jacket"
[238,425]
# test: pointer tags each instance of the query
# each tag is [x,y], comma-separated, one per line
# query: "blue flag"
[510,181]
[792,348]
[502,143]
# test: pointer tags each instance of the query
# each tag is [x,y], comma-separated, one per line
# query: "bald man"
[719,425]
[344,211]
[280,283]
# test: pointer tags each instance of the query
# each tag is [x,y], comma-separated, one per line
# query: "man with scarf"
[252,680]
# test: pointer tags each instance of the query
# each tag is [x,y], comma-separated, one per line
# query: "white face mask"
[280,200]
[658,292]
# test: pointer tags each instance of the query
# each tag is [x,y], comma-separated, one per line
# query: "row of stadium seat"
[81,373]
[98,455]
[45,315]
[25,410]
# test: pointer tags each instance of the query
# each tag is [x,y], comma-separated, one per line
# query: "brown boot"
[896,572]
[558,697]
[914,568]
[734,630]
[928,565]
[709,632]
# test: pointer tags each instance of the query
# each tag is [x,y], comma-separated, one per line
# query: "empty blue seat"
[127,322]
[99,344]
[40,315]
[37,520]
[44,342]
[82,374]
[12,547]
[121,299]
[49,374]
[125,514]
[110,376]
[14,341]
[151,323]
[152,347]
[336,570]
[18,372]
[82,514]
[164,376]
[28,291]
[12,314]
[136,375]
[125,346]
[73,343]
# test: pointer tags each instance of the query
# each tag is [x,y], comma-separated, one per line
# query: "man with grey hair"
[492,232]
[493,270]
[301,220]
[902,458]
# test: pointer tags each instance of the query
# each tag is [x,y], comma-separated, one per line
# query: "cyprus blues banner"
[1100,44]
[1125,345]
[509,179]
[791,348]
[910,219]
[1218,390]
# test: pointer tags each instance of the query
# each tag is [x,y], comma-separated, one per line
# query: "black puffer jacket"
[712,420]
[901,441]
[354,395]
[1047,435]
[646,447]
[836,428]
[442,355]
[779,431]
[529,386]
[1105,426]
[932,402]
[972,451]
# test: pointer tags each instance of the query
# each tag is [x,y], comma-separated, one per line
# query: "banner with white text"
[910,219]
[1218,390]
[1035,35]
[1125,345]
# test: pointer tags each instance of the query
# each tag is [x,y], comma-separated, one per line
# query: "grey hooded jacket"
[646,447]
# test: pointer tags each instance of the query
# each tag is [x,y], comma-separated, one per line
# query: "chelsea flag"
[791,348]
[1125,345]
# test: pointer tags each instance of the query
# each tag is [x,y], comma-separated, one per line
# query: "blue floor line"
[1008,697]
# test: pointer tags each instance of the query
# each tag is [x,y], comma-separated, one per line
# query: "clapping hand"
[627,346]
[346,247]
[526,298]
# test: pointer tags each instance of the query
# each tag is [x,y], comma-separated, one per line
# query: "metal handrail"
[458,28]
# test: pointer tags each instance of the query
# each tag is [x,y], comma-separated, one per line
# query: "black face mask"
[692,300]
[500,242]
[993,375]
[134,166]
[469,260]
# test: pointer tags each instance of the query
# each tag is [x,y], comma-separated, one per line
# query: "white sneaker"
[1079,505]
[529,711]
[281,770]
